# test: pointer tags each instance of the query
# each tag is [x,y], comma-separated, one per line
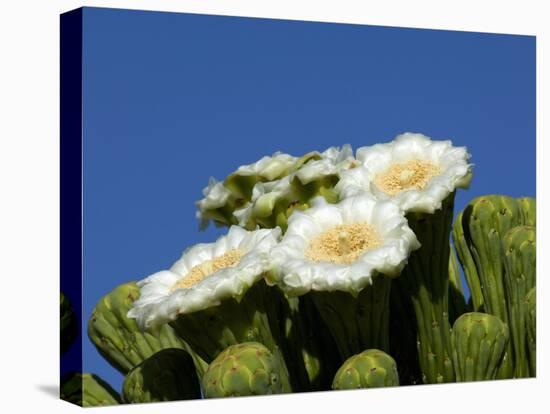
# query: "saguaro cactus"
[478,233]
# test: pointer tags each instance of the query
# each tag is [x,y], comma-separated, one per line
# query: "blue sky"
[172,99]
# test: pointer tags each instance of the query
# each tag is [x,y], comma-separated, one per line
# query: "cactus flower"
[421,176]
[414,171]
[339,254]
[214,296]
[342,246]
[312,175]
[216,204]
[204,276]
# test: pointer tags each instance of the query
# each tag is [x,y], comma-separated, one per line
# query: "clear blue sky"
[172,99]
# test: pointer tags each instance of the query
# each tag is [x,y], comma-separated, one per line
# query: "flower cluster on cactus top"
[327,246]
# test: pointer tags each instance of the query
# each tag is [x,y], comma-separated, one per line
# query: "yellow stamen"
[343,243]
[199,272]
[413,174]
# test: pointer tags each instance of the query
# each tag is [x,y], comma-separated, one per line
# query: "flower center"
[343,243]
[208,267]
[413,174]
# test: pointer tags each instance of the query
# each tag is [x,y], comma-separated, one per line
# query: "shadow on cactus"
[168,375]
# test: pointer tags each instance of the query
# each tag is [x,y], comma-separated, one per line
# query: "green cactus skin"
[531,304]
[357,323]
[68,324]
[484,222]
[403,336]
[118,338]
[467,261]
[257,316]
[528,207]
[457,302]
[425,279]
[519,246]
[88,390]
[369,369]
[310,346]
[168,375]
[479,341]
[243,369]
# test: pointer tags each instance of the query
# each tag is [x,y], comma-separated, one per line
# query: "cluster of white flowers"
[328,246]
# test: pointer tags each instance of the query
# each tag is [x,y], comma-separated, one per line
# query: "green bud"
[369,369]
[244,369]
[479,342]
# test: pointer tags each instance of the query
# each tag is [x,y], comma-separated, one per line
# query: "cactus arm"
[468,264]
[426,280]
[519,247]
[457,302]
[528,207]
[118,338]
[485,221]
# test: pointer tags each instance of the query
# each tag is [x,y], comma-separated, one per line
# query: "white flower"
[332,161]
[205,275]
[265,195]
[215,197]
[269,167]
[412,170]
[341,246]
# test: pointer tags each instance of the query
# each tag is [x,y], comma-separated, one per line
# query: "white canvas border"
[29,218]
